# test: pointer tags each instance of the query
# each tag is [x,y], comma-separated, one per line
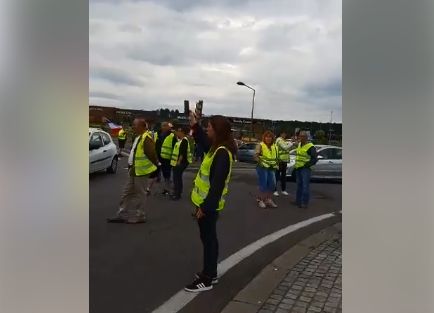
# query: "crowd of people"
[164,156]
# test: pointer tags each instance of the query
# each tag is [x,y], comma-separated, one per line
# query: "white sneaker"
[276,193]
[285,193]
[270,203]
[261,204]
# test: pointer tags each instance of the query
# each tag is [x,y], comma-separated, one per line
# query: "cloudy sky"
[152,54]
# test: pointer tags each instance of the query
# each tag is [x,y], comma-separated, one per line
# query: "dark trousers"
[166,168]
[302,176]
[281,175]
[178,171]
[208,235]
[121,143]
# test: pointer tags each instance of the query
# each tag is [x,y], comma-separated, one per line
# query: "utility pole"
[330,128]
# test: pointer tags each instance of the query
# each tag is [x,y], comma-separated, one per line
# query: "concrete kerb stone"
[253,296]
[240,307]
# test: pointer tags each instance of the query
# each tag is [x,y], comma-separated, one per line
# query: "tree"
[320,137]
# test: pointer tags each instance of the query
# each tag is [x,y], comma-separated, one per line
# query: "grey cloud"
[285,36]
[114,76]
[195,49]
[332,88]
[182,50]
[130,28]
[181,5]
[103,95]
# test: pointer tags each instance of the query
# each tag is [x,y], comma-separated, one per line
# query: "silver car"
[246,152]
[329,165]
[103,153]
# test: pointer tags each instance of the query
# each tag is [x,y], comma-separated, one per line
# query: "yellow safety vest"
[175,153]
[142,165]
[166,148]
[302,157]
[154,136]
[122,135]
[202,184]
[268,159]
[283,153]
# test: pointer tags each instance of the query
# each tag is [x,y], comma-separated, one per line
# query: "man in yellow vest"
[283,148]
[122,139]
[164,146]
[181,158]
[306,157]
[142,162]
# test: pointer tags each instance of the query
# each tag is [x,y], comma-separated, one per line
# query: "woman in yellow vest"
[267,158]
[210,191]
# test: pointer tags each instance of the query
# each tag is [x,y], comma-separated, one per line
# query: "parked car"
[103,153]
[329,165]
[246,152]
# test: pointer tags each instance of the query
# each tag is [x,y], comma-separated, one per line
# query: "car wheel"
[113,166]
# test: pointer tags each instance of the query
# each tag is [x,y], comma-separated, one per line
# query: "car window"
[96,139]
[251,146]
[337,154]
[327,153]
[243,147]
[106,139]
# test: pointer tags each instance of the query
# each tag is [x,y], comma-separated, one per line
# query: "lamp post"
[253,104]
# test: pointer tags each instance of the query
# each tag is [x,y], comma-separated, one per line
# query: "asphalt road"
[136,268]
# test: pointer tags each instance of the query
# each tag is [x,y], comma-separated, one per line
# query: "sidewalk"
[305,279]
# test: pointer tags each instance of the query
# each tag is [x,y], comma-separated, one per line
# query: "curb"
[251,298]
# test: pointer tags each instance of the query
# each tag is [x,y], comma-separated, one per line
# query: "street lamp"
[253,104]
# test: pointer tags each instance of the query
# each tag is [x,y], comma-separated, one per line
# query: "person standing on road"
[283,148]
[306,157]
[181,157]
[142,162]
[210,191]
[266,156]
[122,139]
[164,146]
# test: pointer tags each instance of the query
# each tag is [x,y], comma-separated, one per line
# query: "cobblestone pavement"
[314,285]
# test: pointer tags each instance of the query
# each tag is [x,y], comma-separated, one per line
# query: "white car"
[329,165]
[103,153]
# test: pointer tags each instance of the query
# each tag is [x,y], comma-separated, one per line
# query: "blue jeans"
[266,179]
[302,176]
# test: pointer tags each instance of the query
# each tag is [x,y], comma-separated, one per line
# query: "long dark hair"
[223,134]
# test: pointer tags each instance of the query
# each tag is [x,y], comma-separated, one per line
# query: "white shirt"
[283,144]
[133,148]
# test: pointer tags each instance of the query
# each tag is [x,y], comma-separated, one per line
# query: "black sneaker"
[165,193]
[116,219]
[214,280]
[200,284]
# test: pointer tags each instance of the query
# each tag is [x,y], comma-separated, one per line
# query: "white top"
[133,148]
[283,144]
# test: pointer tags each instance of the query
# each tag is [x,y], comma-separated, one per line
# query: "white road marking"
[182,298]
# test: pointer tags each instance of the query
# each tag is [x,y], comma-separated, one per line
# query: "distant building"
[241,126]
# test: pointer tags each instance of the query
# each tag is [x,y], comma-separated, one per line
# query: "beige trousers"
[133,199]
